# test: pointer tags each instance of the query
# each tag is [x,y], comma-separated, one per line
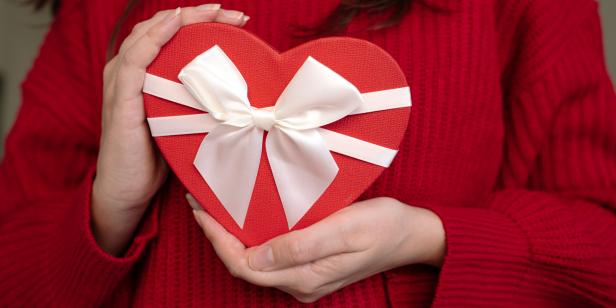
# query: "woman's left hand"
[356,242]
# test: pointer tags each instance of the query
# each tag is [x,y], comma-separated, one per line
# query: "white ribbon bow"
[297,150]
[229,157]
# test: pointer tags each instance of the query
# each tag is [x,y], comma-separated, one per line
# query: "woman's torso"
[450,156]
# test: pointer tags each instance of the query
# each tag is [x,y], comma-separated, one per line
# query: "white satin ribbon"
[297,148]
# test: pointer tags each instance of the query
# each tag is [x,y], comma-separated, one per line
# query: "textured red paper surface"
[267,72]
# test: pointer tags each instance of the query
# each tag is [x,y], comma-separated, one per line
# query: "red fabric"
[267,72]
[512,142]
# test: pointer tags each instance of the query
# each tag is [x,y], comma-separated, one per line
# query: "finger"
[232,17]
[131,72]
[141,28]
[245,20]
[194,204]
[318,241]
[233,254]
[203,13]
[189,15]
[228,248]
[186,16]
[109,73]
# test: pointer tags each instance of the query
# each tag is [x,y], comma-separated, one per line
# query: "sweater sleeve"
[547,236]
[48,256]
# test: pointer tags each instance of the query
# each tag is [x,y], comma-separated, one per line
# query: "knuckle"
[321,269]
[349,234]
[234,270]
[131,59]
[347,239]
[160,13]
[126,59]
[306,298]
[138,26]
[301,299]
[152,36]
[313,293]
[306,289]
[125,45]
[108,69]
[296,251]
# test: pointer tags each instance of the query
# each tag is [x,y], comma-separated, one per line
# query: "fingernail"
[173,15]
[262,258]
[246,18]
[209,7]
[233,14]
[196,215]
[193,202]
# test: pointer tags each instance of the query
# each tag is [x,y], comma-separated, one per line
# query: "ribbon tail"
[302,167]
[228,159]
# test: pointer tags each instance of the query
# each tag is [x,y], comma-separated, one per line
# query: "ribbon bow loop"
[217,85]
[316,96]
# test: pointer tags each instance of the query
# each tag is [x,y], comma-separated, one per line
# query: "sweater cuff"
[105,271]
[487,256]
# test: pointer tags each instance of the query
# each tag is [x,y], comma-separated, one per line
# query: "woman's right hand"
[129,168]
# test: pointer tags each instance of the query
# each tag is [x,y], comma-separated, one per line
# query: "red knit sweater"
[512,142]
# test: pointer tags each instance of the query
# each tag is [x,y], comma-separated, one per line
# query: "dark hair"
[347,9]
[332,24]
[39,4]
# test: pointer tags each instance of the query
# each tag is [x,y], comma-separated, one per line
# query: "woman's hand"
[129,169]
[356,242]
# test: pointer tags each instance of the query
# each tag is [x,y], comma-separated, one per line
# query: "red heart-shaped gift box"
[267,72]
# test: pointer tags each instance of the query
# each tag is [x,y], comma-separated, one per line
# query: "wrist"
[117,198]
[426,237]
[112,222]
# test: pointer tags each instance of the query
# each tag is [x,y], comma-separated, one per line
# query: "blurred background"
[21,32]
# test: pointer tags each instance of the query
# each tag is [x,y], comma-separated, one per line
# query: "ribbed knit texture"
[511,141]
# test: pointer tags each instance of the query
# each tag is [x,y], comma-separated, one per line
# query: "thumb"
[318,241]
